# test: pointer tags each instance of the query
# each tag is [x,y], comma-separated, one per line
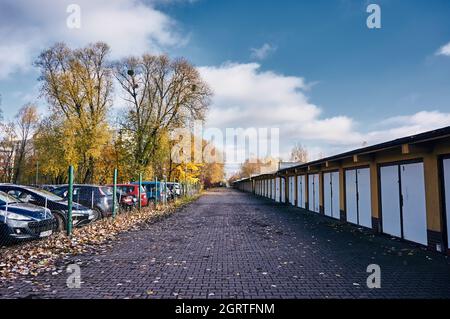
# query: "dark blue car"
[57,205]
[19,221]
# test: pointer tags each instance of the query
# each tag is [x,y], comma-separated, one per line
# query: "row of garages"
[400,188]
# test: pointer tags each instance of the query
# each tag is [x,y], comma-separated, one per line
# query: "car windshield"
[124,189]
[45,194]
[7,199]
[107,190]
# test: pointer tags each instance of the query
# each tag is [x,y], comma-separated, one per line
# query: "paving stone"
[230,244]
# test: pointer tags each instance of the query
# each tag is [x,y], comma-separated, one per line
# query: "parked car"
[154,190]
[48,187]
[126,201]
[97,198]
[175,189]
[20,221]
[133,191]
[57,205]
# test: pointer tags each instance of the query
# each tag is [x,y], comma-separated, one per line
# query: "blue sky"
[359,70]
[311,68]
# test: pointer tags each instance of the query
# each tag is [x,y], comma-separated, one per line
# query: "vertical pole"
[70,201]
[165,191]
[156,188]
[114,193]
[37,173]
[185,180]
[140,188]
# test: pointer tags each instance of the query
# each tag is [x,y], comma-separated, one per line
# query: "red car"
[130,190]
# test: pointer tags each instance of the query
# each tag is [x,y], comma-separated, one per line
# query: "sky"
[313,69]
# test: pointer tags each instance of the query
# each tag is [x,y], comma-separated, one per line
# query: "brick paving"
[234,245]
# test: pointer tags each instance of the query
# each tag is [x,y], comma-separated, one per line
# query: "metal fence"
[38,211]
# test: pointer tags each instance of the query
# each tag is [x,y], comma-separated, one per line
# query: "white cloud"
[445,50]
[405,125]
[262,52]
[246,96]
[128,26]
[13,57]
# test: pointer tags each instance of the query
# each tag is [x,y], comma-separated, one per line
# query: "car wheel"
[97,214]
[60,223]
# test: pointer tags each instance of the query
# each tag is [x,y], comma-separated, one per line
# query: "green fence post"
[166,198]
[114,193]
[70,202]
[140,188]
[156,191]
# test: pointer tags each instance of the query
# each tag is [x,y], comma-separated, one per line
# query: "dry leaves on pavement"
[35,257]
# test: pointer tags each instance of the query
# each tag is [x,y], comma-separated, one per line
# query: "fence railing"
[28,213]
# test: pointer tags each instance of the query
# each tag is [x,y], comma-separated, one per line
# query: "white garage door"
[264,188]
[403,202]
[414,207]
[272,181]
[292,190]
[283,189]
[301,200]
[357,197]
[390,200]
[351,196]
[277,189]
[446,166]
[313,189]
[331,194]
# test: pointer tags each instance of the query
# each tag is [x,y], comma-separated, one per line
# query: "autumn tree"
[78,86]
[213,171]
[161,94]
[7,149]
[299,154]
[26,121]
[250,168]
[53,149]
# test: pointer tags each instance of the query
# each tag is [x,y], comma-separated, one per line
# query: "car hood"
[29,210]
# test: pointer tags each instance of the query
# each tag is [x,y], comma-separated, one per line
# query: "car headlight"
[82,212]
[15,216]
[89,213]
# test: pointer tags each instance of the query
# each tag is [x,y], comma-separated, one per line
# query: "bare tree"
[299,154]
[26,121]
[162,94]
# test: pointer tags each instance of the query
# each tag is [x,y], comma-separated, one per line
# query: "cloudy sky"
[311,68]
